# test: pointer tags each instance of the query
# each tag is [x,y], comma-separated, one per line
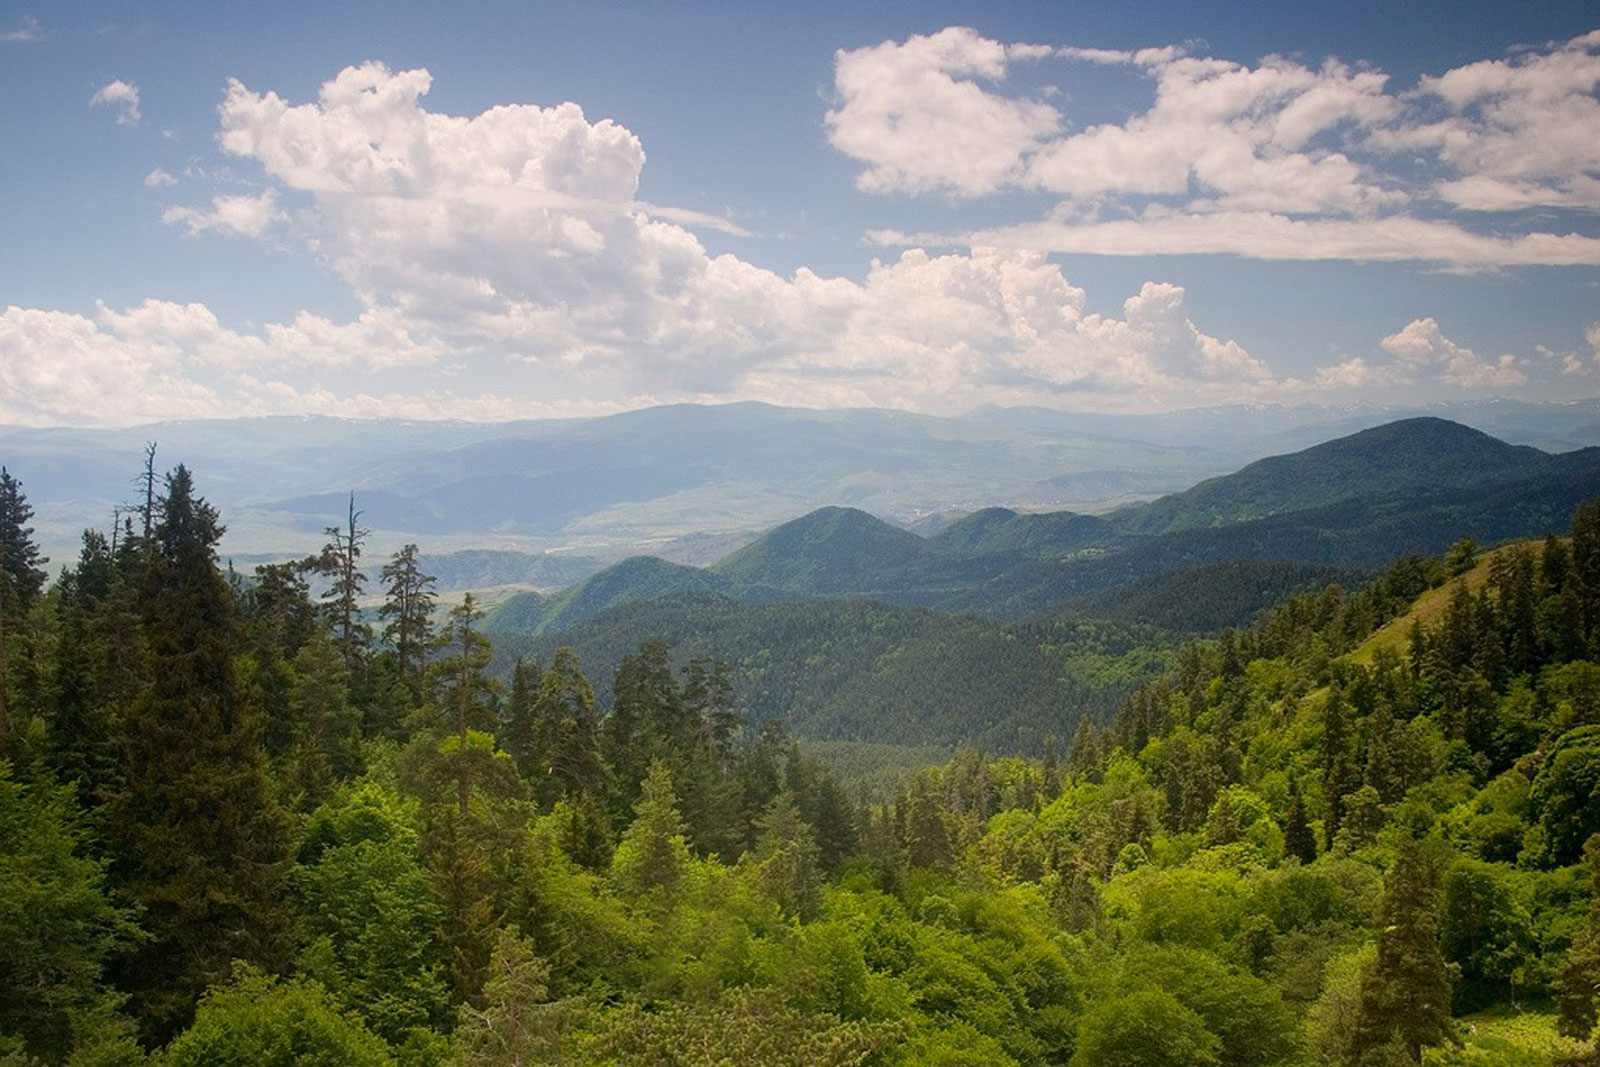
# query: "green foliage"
[260,1021]
[1147,1028]
[58,924]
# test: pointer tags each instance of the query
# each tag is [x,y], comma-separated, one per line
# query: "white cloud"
[1265,235]
[1520,132]
[1350,374]
[159,178]
[243,216]
[1280,159]
[27,29]
[504,267]
[121,95]
[1235,137]
[918,115]
[1422,347]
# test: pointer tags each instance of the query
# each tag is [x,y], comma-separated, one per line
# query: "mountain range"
[687,483]
[1344,506]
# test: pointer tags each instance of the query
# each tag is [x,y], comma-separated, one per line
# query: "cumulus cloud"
[1422,347]
[1279,159]
[158,179]
[503,266]
[918,115]
[1242,138]
[243,216]
[121,96]
[512,241]
[161,359]
[1519,132]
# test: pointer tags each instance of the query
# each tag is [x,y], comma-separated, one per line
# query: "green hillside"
[635,579]
[830,550]
[1424,453]
[861,671]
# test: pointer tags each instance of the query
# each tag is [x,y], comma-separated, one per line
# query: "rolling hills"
[1336,509]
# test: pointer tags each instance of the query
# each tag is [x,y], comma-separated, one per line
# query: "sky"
[519,210]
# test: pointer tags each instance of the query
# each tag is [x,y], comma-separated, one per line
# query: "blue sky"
[1364,206]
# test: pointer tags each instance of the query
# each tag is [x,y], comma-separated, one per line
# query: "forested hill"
[1425,454]
[857,670]
[1350,505]
[240,825]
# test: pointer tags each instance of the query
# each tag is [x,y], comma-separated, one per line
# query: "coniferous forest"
[294,816]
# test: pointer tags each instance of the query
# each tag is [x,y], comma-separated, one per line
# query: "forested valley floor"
[244,824]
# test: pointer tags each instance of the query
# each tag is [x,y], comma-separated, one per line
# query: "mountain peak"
[824,550]
[1409,454]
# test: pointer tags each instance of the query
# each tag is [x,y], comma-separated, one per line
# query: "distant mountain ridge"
[1341,507]
[610,486]
[1411,454]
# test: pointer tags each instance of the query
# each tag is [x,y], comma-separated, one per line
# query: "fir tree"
[408,613]
[652,859]
[1586,567]
[518,726]
[1338,769]
[567,753]
[201,842]
[1577,984]
[22,574]
[462,692]
[786,858]
[1298,840]
[341,562]
[1407,997]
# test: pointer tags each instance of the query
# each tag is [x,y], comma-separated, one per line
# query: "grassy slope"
[1430,607]
[1502,1039]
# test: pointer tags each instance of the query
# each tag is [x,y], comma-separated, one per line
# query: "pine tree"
[652,859]
[22,576]
[462,691]
[1338,768]
[1407,997]
[1298,840]
[517,731]
[648,718]
[341,561]
[408,611]
[786,858]
[567,752]
[1577,984]
[202,845]
[1586,567]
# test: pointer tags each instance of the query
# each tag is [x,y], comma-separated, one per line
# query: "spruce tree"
[786,858]
[408,613]
[1298,840]
[652,859]
[22,576]
[1407,997]
[202,844]
[1577,984]
[567,751]
[341,561]
[1586,568]
[1338,767]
